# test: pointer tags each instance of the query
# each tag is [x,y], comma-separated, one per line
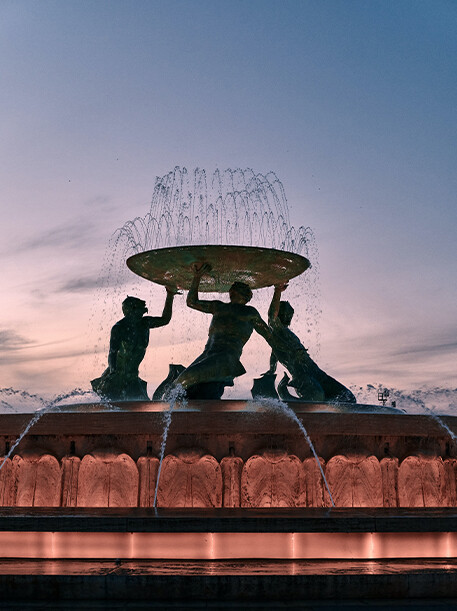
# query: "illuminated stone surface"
[228,454]
[190,479]
[273,479]
[107,479]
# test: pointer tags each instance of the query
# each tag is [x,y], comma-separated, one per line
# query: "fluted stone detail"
[389,470]
[7,490]
[107,479]
[422,482]
[148,467]
[273,479]
[231,467]
[37,480]
[190,479]
[70,472]
[355,481]
[194,478]
[314,483]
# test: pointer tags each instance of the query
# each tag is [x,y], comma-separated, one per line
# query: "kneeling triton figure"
[128,343]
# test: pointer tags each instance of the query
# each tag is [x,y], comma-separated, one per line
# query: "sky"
[352,103]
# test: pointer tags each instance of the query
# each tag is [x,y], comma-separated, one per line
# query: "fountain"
[247,499]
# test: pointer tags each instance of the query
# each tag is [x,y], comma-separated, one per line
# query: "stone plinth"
[227,454]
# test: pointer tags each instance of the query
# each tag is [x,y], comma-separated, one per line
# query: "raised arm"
[273,310]
[261,327]
[193,301]
[160,321]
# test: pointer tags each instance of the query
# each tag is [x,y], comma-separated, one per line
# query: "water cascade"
[280,406]
[174,395]
[47,407]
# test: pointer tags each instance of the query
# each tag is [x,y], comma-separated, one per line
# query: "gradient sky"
[352,103]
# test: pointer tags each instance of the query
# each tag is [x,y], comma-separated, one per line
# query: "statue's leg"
[309,390]
[195,374]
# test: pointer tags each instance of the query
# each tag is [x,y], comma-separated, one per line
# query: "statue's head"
[285,313]
[240,292]
[132,306]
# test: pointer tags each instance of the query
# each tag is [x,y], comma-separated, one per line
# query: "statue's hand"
[173,290]
[281,287]
[199,271]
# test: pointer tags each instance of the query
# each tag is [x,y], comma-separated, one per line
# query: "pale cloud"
[81,284]
[71,235]
[427,348]
[11,340]
[34,356]
[67,235]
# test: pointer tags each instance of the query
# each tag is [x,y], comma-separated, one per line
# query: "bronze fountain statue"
[128,343]
[216,268]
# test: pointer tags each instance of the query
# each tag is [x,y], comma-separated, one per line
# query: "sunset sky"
[352,103]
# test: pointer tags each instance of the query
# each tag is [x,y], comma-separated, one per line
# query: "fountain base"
[228,454]
[243,515]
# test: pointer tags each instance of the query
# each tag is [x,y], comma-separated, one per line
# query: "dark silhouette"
[231,327]
[309,381]
[128,343]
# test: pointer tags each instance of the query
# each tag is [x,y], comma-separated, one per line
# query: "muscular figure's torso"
[232,325]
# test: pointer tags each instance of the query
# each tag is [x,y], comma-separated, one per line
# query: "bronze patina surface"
[257,267]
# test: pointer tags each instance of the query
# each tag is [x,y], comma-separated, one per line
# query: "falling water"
[231,207]
[278,405]
[47,407]
[176,394]
[20,394]
[415,401]
[440,421]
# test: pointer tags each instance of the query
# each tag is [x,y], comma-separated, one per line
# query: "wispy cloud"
[10,340]
[439,348]
[34,356]
[81,284]
[70,235]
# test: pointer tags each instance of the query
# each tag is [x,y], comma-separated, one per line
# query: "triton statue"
[128,343]
[231,327]
[309,381]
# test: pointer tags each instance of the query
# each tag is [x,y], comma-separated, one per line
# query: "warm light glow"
[225,546]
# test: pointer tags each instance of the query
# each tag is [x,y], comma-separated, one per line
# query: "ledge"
[275,520]
[226,418]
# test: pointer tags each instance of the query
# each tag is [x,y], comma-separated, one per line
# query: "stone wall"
[227,454]
[194,478]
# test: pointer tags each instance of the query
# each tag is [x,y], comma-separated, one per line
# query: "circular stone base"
[257,267]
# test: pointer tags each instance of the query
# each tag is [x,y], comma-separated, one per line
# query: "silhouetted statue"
[128,343]
[231,327]
[309,381]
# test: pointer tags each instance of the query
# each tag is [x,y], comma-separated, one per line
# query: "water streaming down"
[22,395]
[279,406]
[177,394]
[415,399]
[47,407]
[231,207]
[441,400]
